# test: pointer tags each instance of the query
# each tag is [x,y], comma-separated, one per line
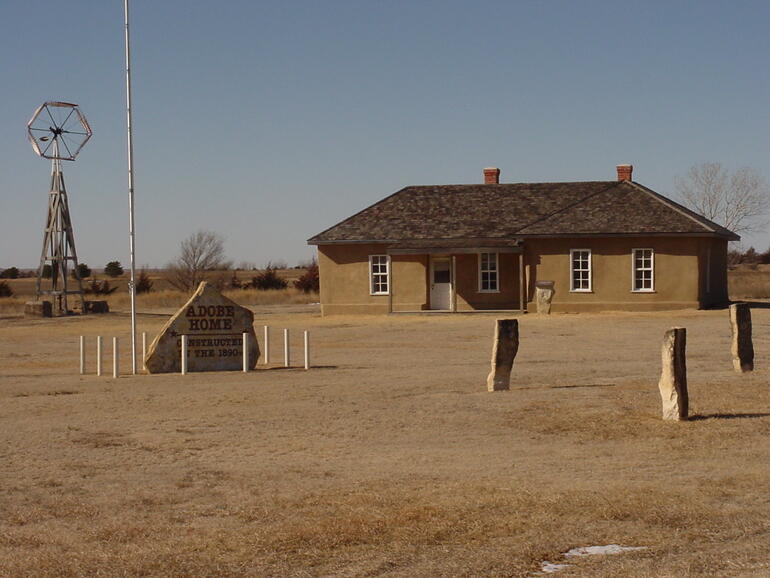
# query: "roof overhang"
[434,246]
[452,250]
[499,245]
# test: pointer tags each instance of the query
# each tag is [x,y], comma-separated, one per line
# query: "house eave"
[482,241]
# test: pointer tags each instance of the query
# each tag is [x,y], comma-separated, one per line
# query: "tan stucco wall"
[344,280]
[689,273]
[468,295]
[678,278]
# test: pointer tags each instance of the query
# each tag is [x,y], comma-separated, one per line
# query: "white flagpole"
[131,283]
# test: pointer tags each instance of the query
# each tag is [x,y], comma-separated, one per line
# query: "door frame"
[450,295]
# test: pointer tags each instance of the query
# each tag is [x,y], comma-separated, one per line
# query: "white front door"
[440,283]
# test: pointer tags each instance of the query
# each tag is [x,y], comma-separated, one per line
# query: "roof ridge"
[573,205]
[707,224]
[503,184]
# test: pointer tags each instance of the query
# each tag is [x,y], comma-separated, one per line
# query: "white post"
[184,355]
[115,358]
[267,345]
[99,355]
[144,350]
[286,348]
[82,355]
[245,352]
[307,350]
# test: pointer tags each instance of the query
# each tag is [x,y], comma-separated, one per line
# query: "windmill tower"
[57,131]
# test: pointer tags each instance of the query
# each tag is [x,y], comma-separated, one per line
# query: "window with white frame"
[378,274]
[580,269]
[488,273]
[643,265]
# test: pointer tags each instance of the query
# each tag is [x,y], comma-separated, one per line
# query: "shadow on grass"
[729,416]
[283,367]
[583,385]
[754,304]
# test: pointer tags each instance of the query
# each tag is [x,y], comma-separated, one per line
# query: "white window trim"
[633,270]
[590,272]
[371,275]
[497,271]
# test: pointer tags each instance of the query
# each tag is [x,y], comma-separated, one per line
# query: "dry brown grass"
[245,297]
[747,283]
[164,296]
[389,458]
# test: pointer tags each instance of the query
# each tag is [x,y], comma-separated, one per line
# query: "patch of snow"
[551,568]
[601,550]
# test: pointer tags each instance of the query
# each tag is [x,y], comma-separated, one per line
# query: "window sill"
[488,291]
[642,291]
[379,294]
[581,291]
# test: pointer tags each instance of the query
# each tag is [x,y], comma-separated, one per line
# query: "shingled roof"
[500,212]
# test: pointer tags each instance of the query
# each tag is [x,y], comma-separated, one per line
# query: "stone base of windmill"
[38,309]
[92,307]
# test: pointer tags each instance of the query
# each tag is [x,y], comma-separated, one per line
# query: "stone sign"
[214,326]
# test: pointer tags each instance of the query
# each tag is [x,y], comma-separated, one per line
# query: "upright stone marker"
[673,377]
[544,296]
[742,346]
[504,350]
[214,326]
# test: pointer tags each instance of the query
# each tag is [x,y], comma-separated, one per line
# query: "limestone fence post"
[99,355]
[504,348]
[115,358]
[307,350]
[673,377]
[144,350]
[742,347]
[184,354]
[82,354]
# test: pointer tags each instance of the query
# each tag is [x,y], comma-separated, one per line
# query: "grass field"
[748,283]
[388,458]
[165,295]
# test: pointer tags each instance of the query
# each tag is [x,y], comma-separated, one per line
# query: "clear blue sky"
[270,121]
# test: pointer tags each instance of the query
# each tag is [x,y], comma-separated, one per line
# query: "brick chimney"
[624,172]
[491,176]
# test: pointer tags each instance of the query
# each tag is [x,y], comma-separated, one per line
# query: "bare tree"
[201,258]
[738,201]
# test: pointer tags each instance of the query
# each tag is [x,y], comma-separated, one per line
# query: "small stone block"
[38,309]
[504,349]
[673,377]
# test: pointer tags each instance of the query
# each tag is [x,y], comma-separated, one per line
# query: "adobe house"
[605,245]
